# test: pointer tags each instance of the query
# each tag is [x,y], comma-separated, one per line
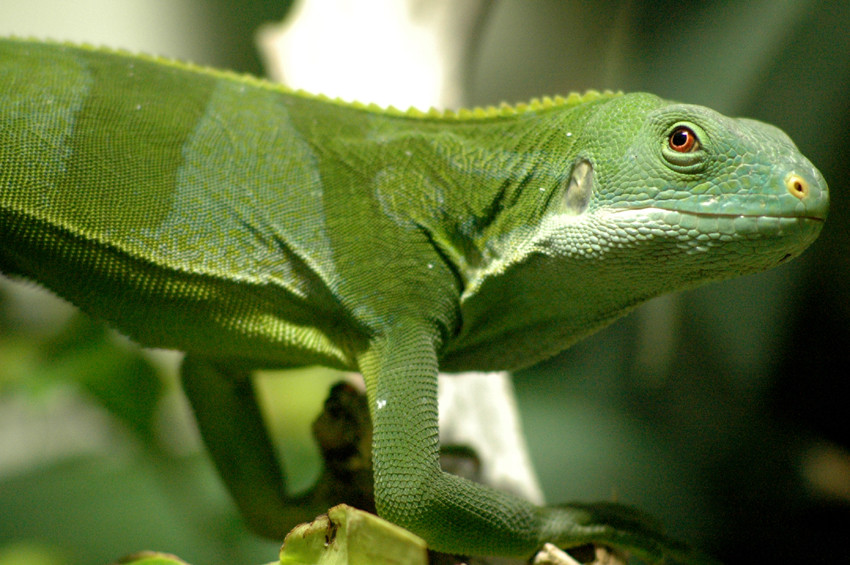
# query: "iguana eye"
[683,140]
[682,149]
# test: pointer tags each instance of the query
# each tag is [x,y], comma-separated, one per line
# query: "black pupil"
[680,138]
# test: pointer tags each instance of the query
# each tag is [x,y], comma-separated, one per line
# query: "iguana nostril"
[797,186]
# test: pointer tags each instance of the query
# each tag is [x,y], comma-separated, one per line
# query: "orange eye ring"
[683,140]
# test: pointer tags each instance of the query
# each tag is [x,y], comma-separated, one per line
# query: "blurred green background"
[719,410]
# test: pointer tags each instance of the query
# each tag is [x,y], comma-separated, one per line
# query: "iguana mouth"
[812,206]
[710,215]
[711,228]
[793,216]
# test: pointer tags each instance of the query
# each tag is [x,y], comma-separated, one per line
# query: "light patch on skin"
[580,187]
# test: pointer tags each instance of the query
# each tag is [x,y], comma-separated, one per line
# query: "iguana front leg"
[449,512]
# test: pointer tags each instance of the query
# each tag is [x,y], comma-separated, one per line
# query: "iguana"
[256,227]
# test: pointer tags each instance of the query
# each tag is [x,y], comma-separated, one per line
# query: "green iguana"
[256,227]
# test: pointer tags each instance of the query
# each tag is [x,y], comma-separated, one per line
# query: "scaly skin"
[252,227]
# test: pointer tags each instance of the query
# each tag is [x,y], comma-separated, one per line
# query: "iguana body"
[255,227]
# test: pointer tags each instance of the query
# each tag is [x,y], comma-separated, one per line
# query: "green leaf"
[347,536]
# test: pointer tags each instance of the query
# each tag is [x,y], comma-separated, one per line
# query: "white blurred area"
[388,52]
[173,28]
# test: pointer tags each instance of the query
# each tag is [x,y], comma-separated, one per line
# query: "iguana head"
[657,197]
[688,193]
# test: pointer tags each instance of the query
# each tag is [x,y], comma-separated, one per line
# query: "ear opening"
[580,187]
